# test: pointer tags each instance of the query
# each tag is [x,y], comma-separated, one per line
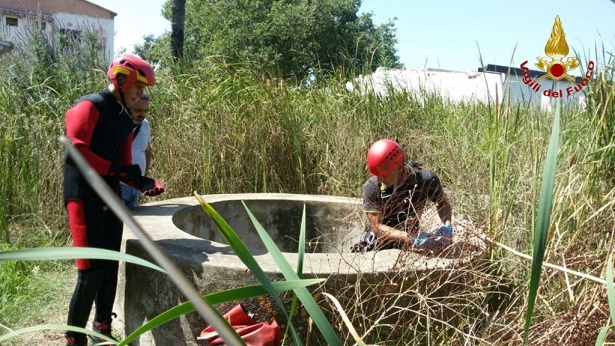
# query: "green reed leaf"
[545,205]
[62,253]
[38,328]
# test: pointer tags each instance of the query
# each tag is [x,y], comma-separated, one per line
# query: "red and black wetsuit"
[100,128]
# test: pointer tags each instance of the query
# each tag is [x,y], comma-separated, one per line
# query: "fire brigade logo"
[557,49]
[556,67]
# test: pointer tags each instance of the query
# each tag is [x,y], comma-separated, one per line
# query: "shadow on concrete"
[162,209]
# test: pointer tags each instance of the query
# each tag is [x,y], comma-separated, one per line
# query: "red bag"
[252,332]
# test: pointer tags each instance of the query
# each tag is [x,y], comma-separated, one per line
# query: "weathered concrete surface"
[189,238]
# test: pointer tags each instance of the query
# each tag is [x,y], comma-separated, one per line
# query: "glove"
[150,187]
[445,231]
[367,244]
[440,238]
[126,173]
[424,240]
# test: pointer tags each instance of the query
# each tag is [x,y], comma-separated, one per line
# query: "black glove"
[127,173]
[150,187]
[132,172]
[367,244]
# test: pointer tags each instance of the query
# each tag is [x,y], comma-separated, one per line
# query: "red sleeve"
[80,123]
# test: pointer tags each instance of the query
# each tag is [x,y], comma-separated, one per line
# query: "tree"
[286,38]
[178,9]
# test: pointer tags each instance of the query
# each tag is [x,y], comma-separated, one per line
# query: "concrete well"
[192,241]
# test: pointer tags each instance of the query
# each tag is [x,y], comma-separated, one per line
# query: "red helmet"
[384,156]
[134,68]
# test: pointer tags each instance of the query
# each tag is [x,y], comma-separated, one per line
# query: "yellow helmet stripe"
[140,77]
[119,69]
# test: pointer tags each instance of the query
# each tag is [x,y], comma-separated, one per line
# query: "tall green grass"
[222,129]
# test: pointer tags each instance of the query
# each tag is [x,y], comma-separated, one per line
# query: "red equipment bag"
[252,332]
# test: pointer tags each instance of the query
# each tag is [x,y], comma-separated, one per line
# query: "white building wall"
[486,87]
[56,22]
[518,93]
[13,33]
[521,93]
[453,86]
[78,22]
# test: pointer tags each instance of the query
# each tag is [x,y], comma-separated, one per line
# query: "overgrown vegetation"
[223,129]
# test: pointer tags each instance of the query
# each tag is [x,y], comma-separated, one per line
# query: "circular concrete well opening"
[191,239]
[332,224]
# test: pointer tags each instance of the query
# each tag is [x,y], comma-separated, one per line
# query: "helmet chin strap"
[122,99]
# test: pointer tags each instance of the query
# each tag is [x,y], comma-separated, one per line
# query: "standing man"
[100,128]
[394,199]
[141,151]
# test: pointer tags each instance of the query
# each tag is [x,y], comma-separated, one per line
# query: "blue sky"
[443,34]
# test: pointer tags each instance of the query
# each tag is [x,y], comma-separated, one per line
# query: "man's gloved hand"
[126,173]
[441,238]
[150,187]
[445,231]
[367,244]
[424,240]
